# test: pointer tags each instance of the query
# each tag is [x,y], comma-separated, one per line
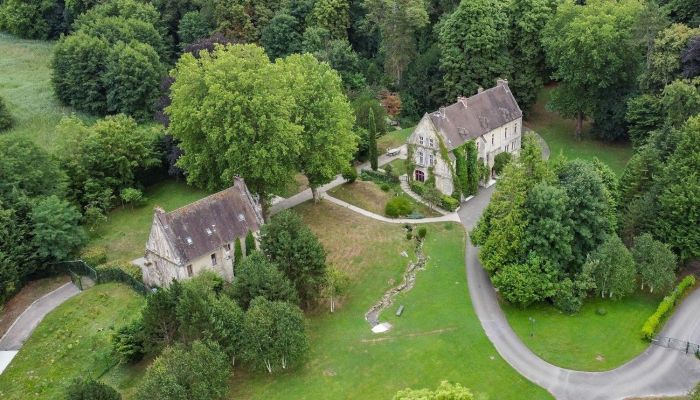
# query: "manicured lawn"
[72,341]
[368,195]
[125,232]
[438,337]
[394,138]
[398,167]
[25,84]
[585,341]
[559,135]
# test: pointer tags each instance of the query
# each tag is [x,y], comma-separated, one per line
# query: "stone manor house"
[491,118]
[200,236]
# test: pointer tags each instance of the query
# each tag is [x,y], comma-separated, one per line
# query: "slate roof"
[483,113]
[207,224]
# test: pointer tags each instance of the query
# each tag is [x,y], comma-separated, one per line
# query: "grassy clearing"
[368,195]
[393,139]
[398,167]
[30,292]
[585,341]
[72,341]
[125,232]
[438,337]
[559,135]
[25,84]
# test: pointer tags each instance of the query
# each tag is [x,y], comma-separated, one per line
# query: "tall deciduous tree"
[295,249]
[258,277]
[613,268]
[233,116]
[549,231]
[664,60]
[281,36]
[656,263]
[275,334]
[56,230]
[324,114]
[595,58]
[332,15]
[398,21]
[337,282]
[474,45]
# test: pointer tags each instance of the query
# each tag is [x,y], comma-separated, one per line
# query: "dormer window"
[209,232]
[189,240]
[241,217]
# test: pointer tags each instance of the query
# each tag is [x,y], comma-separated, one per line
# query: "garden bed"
[371,197]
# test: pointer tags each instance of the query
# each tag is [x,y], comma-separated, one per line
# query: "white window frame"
[431,142]
[420,158]
[421,140]
[431,157]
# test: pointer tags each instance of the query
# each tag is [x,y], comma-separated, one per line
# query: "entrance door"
[420,176]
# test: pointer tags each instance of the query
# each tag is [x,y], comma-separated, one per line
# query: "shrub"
[385,187]
[388,169]
[500,161]
[448,203]
[398,206]
[132,196]
[6,120]
[82,389]
[651,326]
[350,174]
[417,188]
[94,255]
[378,176]
[124,266]
[422,231]
[601,311]
[409,235]
[128,342]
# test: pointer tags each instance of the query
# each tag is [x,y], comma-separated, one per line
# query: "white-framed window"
[431,142]
[213,259]
[432,159]
[493,138]
[189,270]
[421,140]
[420,157]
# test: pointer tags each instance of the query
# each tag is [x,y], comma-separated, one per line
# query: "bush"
[90,389]
[128,342]
[409,235]
[601,311]
[385,187]
[5,117]
[94,255]
[422,231]
[132,196]
[124,266]
[500,161]
[388,169]
[378,176]
[398,206]
[350,174]
[448,203]
[417,188]
[651,326]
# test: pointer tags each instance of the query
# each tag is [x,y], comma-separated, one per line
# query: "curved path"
[656,372]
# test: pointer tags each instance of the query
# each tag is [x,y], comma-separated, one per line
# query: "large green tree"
[323,112]
[595,58]
[282,36]
[232,114]
[474,45]
[664,60]
[656,263]
[298,253]
[56,230]
[256,276]
[333,15]
[549,231]
[613,268]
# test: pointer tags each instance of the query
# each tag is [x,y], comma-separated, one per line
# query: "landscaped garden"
[558,132]
[72,341]
[373,197]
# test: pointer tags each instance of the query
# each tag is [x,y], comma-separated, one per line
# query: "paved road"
[30,318]
[656,372]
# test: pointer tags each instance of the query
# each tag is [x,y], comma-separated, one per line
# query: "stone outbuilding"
[200,236]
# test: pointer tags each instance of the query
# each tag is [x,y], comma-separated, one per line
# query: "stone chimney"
[158,210]
[502,82]
[442,112]
[463,100]
[480,89]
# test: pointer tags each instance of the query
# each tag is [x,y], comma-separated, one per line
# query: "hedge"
[448,203]
[398,206]
[651,326]
[378,177]
[417,188]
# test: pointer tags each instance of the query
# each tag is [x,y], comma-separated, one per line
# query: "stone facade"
[490,118]
[200,236]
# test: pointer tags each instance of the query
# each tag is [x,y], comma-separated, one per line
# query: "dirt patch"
[409,335]
[599,357]
[30,292]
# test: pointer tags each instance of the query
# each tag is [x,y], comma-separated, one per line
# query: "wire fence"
[79,268]
[677,344]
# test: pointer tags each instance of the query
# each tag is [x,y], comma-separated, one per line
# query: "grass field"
[72,341]
[585,341]
[125,232]
[393,139]
[559,135]
[398,167]
[369,196]
[438,337]
[25,84]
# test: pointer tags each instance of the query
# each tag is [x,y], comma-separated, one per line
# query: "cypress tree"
[472,181]
[372,140]
[237,253]
[249,243]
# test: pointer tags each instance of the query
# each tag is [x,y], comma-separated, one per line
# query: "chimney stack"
[462,100]
[502,82]
[442,112]
[158,210]
[480,89]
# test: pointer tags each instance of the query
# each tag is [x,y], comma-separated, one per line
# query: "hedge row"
[377,176]
[651,326]
[448,203]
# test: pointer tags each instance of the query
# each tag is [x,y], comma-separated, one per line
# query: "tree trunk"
[268,366]
[579,124]
[265,205]
[332,304]
[315,193]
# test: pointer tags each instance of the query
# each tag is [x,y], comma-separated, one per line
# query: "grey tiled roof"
[483,113]
[205,225]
